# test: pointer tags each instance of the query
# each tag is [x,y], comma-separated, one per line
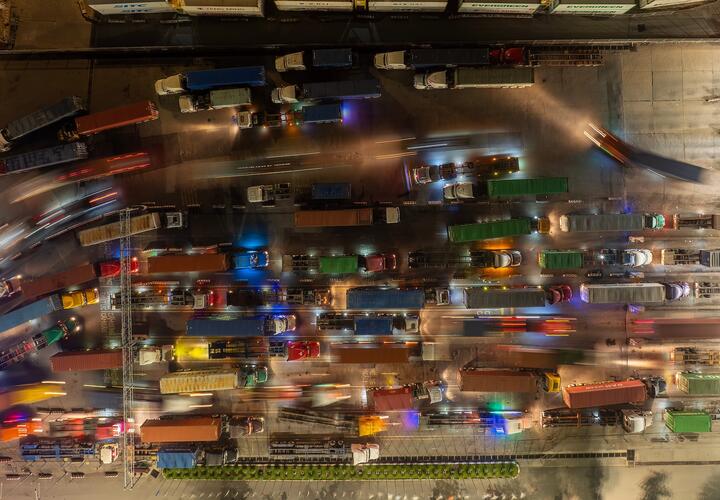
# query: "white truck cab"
[154,354]
[392,215]
[458,191]
[284,94]
[170,85]
[412,324]
[284,323]
[636,421]
[108,453]
[434,80]
[260,194]
[364,453]
[390,60]
[515,425]
[288,62]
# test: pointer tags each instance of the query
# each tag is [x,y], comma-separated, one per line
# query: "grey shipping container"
[623,293]
[43,158]
[69,106]
[495,298]
[603,222]
[710,258]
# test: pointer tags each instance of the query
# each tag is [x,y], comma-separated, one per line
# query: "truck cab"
[252,376]
[654,221]
[437,296]
[635,421]
[251,259]
[364,453]
[408,323]
[10,286]
[387,215]
[432,80]
[458,191]
[203,300]
[541,225]
[655,385]
[154,354]
[288,62]
[282,323]
[559,293]
[170,85]
[285,94]
[108,453]
[551,382]
[379,262]
[432,390]
[425,174]
[390,60]
[268,193]
[246,426]
[635,257]
[80,298]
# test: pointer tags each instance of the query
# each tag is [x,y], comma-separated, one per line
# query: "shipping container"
[607,222]
[322,113]
[697,384]
[253,76]
[338,264]
[655,4]
[200,381]
[561,259]
[79,361]
[466,233]
[43,117]
[385,298]
[524,187]
[687,421]
[396,399]
[331,191]
[122,116]
[114,7]
[320,5]
[497,297]
[407,5]
[604,394]
[592,7]
[222,7]
[177,458]
[77,275]
[520,7]
[370,353]
[199,263]
[335,90]
[490,380]
[334,218]
[112,231]
[373,325]
[30,312]
[41,158]
[623,293]
[332,58]
[178,430]
[710,258]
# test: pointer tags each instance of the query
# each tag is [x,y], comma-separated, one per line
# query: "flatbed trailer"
[706,290]
[332,447]
[679,257]
[695,356]
[481,259]
[565,417]
[696,221]
[333,419]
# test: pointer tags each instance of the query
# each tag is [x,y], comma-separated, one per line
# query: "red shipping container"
[81,361]
[59,281]
[190,429]
[497,381]
[400,398]
[122,116]
[604,394]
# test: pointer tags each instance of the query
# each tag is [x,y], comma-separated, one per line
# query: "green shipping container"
[521,187]
[561,259]
[488,230]
[688,421]
[341,264]
[699,383]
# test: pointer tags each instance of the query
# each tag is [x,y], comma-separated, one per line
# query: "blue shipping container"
[253,76]
[238,327]
[43,158]
[70,106]
[332,191]
[332,58]
[370,325]
[322,113]
[385,298]
[29,312]
[176,459]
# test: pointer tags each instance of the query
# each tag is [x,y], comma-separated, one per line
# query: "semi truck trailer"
[138,224]
[482,259]
[319,59]
[347,217]
[505,188]
[214,99]
[372,298]
[633,420]
[338,91]
[501,297]
[698,384]
[371,353]
[78,361]
[318,113]
[77,275]
[199,81]
[19,352]
[41,158]
[181,430]
[503,380]
[466,233]
[623,293]
[256,326]
[37,309]
[370,324]
[696,221]
[611,222]
[405,397]
[213,380]
[475,78]
[43,117]
[122,116]
[561,259]
[431,58]
[340,264]
[600,394]
[196,263]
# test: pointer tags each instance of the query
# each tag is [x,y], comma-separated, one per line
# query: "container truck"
[318,113]
[347,217]
[431,58]
[496,259]
[697,384]
[612,393]
[340,264]
[396,298]
[248,348]
[196,263]
[257,326]
[371,353]
[20,127]
[561,259]
[475,78]
[94,123]
[268,193]
[611,222]
[77,275]
[696,221]
[502,380]
[138,224]
[623,293]
[30,312]
[41,158]
[176,458]
[499,188]
[18,352]
[683,421]
[465,233]
[331,191]
[501,297]
[79,361]
[10,286]
[320,59]
[404,398]
[632,257]
[633,420]
[181,430]
[213,380]
[338,90]
[198,81]
[214,99]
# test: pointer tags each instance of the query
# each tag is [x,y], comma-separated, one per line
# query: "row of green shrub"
[366,472]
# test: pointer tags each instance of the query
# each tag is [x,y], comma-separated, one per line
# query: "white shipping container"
[654,4]
[222,7]
[336,5]
[407,6]
[113,7]
[500,6]
[592,7]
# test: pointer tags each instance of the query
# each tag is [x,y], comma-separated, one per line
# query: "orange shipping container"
[122,116]
[201,263]
[191,429]
[604,394]
[497,381]
[58,281]
[334,218]
[81,361]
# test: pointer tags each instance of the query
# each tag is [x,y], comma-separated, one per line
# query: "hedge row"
[366,472]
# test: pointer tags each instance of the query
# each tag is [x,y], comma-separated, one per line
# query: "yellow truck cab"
[543,225]
[80,298]
[551,382]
